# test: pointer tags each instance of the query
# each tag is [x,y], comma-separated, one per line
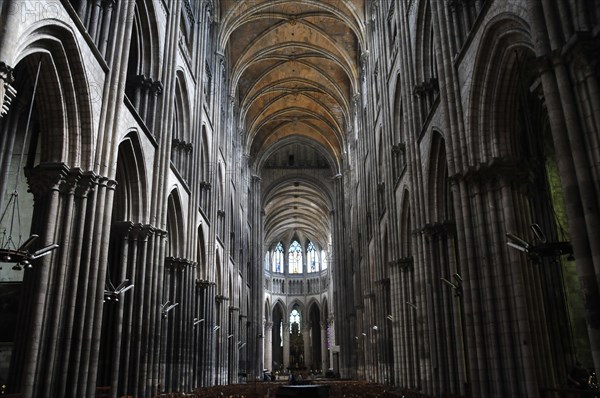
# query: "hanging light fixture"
[9,251]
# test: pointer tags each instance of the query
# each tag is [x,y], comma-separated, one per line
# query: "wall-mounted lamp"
[543,248]
[456,286]
[167,307]
[111,293]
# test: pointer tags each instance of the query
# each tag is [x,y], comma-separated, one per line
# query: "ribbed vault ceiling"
[297,206]
[295,71]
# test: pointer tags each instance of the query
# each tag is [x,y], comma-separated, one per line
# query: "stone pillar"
[232,346]
[82,11]
[136,83]
[94,19]
[268,349]
[211,339]
[150,314]
[256,316]
[102,42]
[155,91]
[286,344]
[307,344]
[324,351]
[123,230]
[145,99]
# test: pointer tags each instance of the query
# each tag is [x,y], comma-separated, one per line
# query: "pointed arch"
[426,62]
[278,259]
[63,97]
[205,170]
[219,272]
[181,147]
[131,193]
[175,225]
[440,196]
[492,99]
[296,302]
[268,314]
[143,85]
[427,88]
[145,45]
[405,225]
[399,159]
[202,255]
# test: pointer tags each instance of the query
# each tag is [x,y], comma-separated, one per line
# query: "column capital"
[107,182]
[156,88]
[177,263]
[109,3]
[364,58]
[219,298]
[123,228]
[496,169]
[87,182]
[46,177]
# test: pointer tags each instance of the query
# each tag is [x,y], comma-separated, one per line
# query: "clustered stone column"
[96,16]
[256,305]
[324,348]
[286,344]
[144,97]
[567,53]
[403,313]
[61,297]
[204,330]
[307,343]
[268,345]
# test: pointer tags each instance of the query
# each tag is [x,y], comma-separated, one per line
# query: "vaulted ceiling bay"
[295,71]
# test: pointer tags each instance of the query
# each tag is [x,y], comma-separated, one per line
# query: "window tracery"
[295,258]
[278,258]
[312,258]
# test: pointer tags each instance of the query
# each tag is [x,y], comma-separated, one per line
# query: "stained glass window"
[278,258]
[294,318]
[311,256]
[295,253]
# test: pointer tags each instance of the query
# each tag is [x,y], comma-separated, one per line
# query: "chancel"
[348,196]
